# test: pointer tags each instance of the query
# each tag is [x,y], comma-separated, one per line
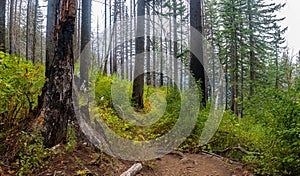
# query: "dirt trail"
[84,161]
[192,165]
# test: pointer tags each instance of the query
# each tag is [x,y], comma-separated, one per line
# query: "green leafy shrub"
[271,127]
[71,138]
[270,130]
[32,154]
[128,129]
[20,84]
[279,112]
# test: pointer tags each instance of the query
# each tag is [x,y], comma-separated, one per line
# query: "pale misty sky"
[292,13]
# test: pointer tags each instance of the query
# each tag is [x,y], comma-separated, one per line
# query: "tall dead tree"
[11,27]
[2,24]
[85,40]
[36,5]
[138,83]
[196,64]
[56,105]
[28,28]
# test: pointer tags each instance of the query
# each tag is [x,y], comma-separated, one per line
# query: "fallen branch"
[222,158]
[240,149]
[133,170]
[247,152]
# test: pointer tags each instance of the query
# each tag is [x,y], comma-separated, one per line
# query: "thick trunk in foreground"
[56,105]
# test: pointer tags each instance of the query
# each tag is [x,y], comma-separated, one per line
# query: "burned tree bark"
[56,105]
[2,24]
[85,41]
[138,83]
[196,64]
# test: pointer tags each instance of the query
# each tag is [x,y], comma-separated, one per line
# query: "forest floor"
[85,161]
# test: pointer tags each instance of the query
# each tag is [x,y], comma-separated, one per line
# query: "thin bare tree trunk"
[19,27]
[34,31]
[138,83]
[154,46]
[148,47]
[11,27]
[2,24]
[175,44]
[85,42]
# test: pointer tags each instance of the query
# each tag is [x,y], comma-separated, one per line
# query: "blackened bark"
[11,27]
[50,43]
[148,48]
[85,39]
[154,47]
[56,105]
[161,52]
[196,66]
[251,54]
[35,31]
[234,66]
[2,24]
[138,83]
[175,44]
[28,28]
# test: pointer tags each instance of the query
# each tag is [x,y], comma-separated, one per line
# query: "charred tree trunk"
[148,48]
[50,43]
[196,64]
[2,24]
[138,83]
[251,54]
[85,41]
[56,105]
[11,27]
[34,31]
[28,29]
[154,47]
[175,44]
[19,28]
[161,52]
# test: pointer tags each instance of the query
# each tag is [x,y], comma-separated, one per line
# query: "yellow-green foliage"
[271,126]
[32,154]
[128,129]
[20,84]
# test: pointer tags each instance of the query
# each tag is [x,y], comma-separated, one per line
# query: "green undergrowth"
[129,130]
[21,83]
[268,132]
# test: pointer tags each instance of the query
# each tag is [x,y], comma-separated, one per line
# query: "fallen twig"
[222,158]
[247,152]
[240,149]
